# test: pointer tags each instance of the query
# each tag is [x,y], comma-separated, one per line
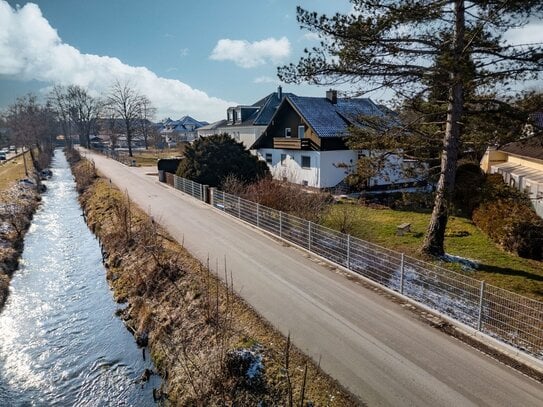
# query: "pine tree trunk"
[434,241]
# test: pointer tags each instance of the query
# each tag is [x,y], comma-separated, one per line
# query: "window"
[287,132]
[305,183]
[301,130]
[306,161]
[269,158]
[283,160]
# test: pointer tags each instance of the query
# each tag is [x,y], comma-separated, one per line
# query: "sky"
[189,57]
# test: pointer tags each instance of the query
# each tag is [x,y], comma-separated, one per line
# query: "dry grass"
[13,170]
[195,323]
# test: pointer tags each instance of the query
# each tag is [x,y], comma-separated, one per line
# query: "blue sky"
[189,57]
[173,39]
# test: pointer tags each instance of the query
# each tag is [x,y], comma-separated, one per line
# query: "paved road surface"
[374,347]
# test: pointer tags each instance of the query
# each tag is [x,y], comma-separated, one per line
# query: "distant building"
[305,142]
[211,129]
[182,130]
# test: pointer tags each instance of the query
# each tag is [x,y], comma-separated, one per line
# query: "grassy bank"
[463,238]
[14,170]
[210,346]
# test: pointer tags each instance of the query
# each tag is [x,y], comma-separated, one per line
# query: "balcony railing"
[291,143]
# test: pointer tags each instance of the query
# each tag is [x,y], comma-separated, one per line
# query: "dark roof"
[213,125]
[332,120]
[266,112]
[267,107]
[530,147]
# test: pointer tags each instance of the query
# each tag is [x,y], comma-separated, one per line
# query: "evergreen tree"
[210,160]
[449,50]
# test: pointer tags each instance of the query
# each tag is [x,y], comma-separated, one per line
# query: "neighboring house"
[182,130]
[305,142]
[245,123]
[521,165]
[211,129]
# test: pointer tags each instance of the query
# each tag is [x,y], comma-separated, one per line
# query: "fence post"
[258,214]
[349,252]
[481,296]
[280,224]
[401,273]
[239,207]
[309,235]
[223,203]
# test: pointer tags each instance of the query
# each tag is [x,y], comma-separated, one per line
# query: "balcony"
[291,143]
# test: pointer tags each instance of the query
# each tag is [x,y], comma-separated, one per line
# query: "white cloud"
[184,52]
[311,36]
[251,54]
[30,49]
[266,79]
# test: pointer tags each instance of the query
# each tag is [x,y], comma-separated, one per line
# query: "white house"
[184,129]
[305,142]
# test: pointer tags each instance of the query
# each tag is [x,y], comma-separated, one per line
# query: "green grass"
[464,239]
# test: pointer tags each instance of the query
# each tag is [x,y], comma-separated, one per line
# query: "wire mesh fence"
[509,317]
[189,187]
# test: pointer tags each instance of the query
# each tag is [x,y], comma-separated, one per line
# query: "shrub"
[210,160]
[511,223]
[468,190]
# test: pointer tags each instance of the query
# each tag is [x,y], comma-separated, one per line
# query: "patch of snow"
[465,263]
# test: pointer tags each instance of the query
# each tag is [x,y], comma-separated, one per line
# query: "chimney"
[279,92]
[331,95]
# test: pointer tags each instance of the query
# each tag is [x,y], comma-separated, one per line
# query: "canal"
[60,340]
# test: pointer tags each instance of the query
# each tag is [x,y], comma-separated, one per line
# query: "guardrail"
[504,315]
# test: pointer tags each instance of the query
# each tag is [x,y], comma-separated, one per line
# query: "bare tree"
[126,104]
[30,127]
[148,112]
[60,104]
[84,111]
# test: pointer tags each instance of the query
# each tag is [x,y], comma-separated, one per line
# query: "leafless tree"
[30,126]
[126,104]
[60,104]
[84,110]
[148,112]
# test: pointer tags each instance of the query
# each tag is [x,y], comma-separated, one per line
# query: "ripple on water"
[60,343]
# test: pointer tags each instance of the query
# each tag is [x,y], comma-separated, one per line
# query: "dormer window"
[288,132]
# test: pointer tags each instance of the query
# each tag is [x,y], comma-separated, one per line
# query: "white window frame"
[288,132]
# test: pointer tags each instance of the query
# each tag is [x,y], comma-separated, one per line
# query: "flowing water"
[60,341]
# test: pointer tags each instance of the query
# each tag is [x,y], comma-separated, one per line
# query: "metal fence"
[189,187]
[502,314]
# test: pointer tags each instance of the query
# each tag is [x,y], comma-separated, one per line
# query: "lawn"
[463,238]
[13,170]
[148,158]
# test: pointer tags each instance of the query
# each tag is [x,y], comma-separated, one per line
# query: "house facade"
[521,166]
[305,142]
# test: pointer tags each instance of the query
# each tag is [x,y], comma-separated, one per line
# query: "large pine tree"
[422,49]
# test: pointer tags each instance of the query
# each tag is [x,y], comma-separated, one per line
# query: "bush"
[510,221]
[468,190]
[210,160]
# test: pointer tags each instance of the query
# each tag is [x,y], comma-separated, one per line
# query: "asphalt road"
[374,347]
